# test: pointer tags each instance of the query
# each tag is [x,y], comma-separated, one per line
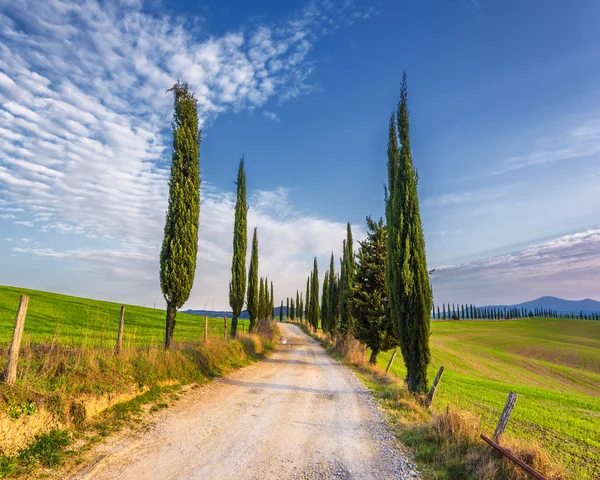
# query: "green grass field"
[84,322]
[554,367]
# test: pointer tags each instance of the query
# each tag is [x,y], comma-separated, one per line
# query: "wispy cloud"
[577,141]
[271,116]
[84,137]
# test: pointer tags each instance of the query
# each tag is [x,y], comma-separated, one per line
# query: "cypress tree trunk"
[373,357]
[180,243]
[237,286]
[170,326]
[281,312]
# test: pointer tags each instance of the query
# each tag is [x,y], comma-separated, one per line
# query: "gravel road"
[296,415]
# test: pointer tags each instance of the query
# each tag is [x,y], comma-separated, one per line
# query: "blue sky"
[504,99]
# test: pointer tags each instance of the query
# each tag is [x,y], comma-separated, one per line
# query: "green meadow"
[554,367]
[84,322]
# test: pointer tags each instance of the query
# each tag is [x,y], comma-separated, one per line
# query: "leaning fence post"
[508,408]
[15,345]
[431,393]
[120,334]
[225,327]
[391,360]
[205,328]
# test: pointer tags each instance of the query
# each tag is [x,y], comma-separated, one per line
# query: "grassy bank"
[94,323]
[552,365]
[71,391]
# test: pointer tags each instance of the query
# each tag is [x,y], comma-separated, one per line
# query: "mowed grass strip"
[552,364]
[93,323]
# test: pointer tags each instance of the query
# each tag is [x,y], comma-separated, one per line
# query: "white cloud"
[84,139]
[271,116]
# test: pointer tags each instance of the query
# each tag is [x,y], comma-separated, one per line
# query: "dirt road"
[298,414]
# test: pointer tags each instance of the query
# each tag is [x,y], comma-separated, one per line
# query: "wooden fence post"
[15,345]
[225,327]
[120,334]
[205,328]
[508,408]
[438,377]
[391,360]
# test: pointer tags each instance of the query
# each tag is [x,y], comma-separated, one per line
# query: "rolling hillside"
[81,321]
[552,364]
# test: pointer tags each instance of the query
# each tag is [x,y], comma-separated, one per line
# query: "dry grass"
[81,389]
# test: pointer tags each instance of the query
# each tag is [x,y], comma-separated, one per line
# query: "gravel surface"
[298,414]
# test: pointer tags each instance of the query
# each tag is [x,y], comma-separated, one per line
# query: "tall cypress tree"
[325,303]
[314,297]
[301,309]
[298,306]
[272,304]
[408,282]
[292,310]
[267,300]
[307,300]
[180,242]
[237,286]
[347,280]
[281,312]
[261,300]
[287,308]
[331,298]
[253,284]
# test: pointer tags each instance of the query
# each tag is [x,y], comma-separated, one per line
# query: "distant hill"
[559,305]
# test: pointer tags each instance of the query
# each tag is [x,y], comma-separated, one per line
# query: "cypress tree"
[369,299]
[408,281]
[301,309]
[237,286]
[298,315]
[271,304]
[331,319]
[334,306]
[314,297]
[438,312]
[180,242]
[444,310]
[292,311]
[325,303]
[252,301]
[287,308]
[281,312]
[462,307]
[307,308]
[346,318]
[261,300]
[267,300]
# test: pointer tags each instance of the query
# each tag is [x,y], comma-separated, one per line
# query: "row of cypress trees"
[260,298]
[470,312]
[383,296]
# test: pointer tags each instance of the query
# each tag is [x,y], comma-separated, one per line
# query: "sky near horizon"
[505,125]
